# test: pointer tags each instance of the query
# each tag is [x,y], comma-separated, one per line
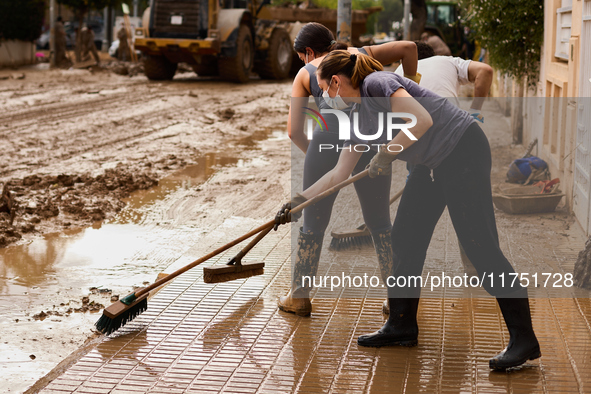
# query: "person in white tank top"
[445,74]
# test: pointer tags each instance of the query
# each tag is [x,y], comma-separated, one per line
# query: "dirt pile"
[132,69]
[69,200]
[123,68]
[582,271]
[64,309]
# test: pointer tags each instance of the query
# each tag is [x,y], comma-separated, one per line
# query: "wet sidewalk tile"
[230,337]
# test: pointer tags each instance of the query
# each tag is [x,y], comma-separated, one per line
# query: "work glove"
[475,113]
[381,163]
[415,78]
[285,216]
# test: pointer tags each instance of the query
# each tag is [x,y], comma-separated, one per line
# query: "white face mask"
[335,102]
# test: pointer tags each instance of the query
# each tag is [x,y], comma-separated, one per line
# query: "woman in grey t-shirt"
[314,41]
[447,140]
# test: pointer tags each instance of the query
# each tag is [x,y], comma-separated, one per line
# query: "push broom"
[358,237]
[129,307]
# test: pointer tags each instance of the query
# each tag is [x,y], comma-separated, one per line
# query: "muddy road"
[73,143]
[114,178]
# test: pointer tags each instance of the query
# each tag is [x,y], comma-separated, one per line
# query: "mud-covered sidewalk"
[231,337]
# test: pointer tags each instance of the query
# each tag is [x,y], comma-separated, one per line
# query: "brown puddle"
[67,265]
[251,141]
[142,200]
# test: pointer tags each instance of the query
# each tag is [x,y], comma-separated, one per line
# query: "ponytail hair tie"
[353,57]
[333,42]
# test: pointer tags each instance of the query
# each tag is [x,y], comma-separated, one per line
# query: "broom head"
[226,273]
[120,312]
[351,239]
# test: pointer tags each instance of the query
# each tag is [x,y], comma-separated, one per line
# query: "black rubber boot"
[383,243]
[401,329]
[523,344]
[306,264]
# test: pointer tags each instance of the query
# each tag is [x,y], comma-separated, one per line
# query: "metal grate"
[176,19]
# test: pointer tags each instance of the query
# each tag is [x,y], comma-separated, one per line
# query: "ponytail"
[353,66]
[337,45]
[364,66]
[318,38]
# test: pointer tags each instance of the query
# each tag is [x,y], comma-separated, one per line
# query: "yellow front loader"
[230,38]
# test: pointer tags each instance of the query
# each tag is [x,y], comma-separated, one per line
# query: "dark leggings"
[374,194]
[462,183]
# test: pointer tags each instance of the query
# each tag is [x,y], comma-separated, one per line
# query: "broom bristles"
[226,273]
[357,238]
[354,241]
[108,325]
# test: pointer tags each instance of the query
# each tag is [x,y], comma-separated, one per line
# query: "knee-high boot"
[523,344]
[306,264]
[401,329]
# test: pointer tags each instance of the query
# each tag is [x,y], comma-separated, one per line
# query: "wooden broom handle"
[330,191]
[396,196]
[204,258]
[263,227]
[263,233]
[236,259]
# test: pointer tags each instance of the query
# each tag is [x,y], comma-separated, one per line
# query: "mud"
[75,143]
[123,68]
[46,201]
[130,69]
[66,309]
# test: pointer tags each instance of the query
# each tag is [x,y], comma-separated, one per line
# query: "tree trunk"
[109,25]
[418,9]
[517,113]
[507,93]
[78,48]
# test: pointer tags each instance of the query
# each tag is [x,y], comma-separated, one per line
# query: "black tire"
[208,66]
[277,64]
[158,68]
[237,69]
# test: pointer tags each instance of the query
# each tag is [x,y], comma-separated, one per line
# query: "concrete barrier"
[16,53]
